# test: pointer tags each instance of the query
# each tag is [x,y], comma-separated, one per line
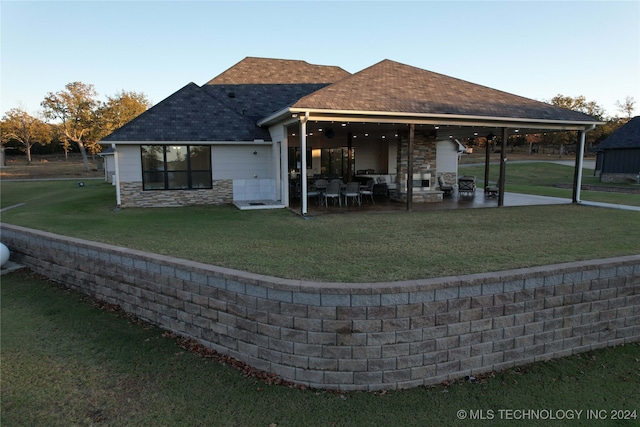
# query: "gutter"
[440,119]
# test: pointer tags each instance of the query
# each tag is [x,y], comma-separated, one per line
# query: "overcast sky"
[536,49]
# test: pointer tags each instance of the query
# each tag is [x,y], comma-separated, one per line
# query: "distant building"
[618,156]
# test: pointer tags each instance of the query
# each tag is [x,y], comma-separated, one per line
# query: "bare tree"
[627,106]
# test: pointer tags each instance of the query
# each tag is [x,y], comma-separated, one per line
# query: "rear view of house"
[262,130]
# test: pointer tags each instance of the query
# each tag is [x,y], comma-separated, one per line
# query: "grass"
[67,360]
[541,178]
[346,248]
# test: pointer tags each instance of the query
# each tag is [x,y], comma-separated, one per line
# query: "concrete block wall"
[356,336]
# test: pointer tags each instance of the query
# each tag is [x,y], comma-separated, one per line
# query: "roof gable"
[395,87]
[190,114]
[278,71]
[626,136]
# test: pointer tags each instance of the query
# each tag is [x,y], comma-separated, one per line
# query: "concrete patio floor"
[456,201]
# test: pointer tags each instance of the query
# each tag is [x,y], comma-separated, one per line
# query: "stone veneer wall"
[356,336]
[133,196]
[424,161]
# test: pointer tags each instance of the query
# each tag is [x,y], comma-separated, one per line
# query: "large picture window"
[176,167]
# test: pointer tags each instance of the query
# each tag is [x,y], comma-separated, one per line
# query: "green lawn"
[540,178]
[67,361]
[349,248]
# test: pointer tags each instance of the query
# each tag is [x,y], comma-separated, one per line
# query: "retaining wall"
[365,336]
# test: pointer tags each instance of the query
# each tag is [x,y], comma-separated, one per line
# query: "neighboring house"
[257,130]
[618,156]
[108,164]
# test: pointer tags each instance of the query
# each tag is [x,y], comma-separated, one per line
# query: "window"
[176,167]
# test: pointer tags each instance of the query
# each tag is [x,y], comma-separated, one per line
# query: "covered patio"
[403,119]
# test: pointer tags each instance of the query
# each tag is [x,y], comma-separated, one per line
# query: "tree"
[75,108]
[18,125]
[627,106]
[580,104]
[119,110]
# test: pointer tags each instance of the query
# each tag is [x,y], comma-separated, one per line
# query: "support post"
[487,157]
[577,176]
[349,156]
[303,164]
[412,132]
[503,166]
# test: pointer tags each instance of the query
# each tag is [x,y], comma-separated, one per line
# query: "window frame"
[166,171]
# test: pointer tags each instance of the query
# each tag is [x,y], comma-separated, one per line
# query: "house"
[618,156]
[253,134]
[108,164]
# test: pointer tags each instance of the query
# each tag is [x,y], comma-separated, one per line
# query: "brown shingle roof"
[278,71]
[394,87]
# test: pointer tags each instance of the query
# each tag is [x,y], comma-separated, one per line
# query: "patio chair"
[312,191]
[352,192]
[467,185]
[332,192]
[367,190]
[492,190]
[445,188]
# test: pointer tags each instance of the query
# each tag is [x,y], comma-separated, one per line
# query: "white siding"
[240,162]
[447,157]
[130,163]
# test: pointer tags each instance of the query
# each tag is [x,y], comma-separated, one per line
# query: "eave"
[290,114]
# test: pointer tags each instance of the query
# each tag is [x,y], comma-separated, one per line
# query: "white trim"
[427,118]
[254,142]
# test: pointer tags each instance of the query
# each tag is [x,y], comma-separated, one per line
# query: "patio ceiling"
[332,133]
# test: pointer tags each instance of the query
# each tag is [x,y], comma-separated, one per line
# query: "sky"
[535,49]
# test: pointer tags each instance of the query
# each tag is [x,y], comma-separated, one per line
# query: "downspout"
[303,163]
[577,181]
[116,162]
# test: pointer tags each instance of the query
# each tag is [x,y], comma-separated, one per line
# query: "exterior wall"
[254,189]
[623,161]
[447,160]
[363,336]
[240,162]
[240,172]
[129,163]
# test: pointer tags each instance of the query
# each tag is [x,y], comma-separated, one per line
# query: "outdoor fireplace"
[422,181]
